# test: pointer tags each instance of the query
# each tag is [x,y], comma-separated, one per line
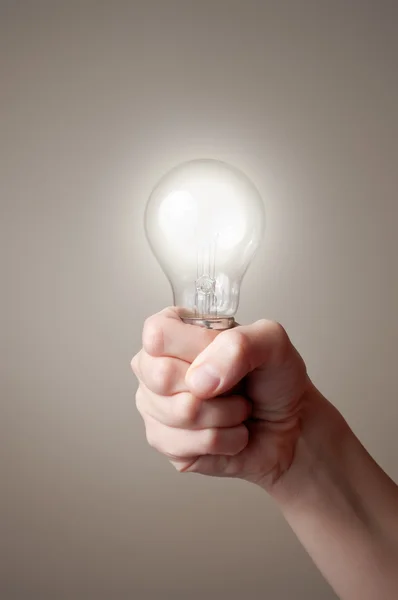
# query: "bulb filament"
[205,296]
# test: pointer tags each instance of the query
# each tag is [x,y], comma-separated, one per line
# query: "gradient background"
[98,99]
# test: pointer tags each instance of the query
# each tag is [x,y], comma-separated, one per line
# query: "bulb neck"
[212,323]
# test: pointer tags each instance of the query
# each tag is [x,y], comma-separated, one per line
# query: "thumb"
[232,355]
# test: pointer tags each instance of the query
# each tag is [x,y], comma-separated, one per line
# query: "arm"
[342,506]
[240,404]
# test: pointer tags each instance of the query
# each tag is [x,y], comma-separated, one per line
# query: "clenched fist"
[240,404]
[221,403]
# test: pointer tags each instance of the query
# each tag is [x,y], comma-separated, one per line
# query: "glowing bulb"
[204,222]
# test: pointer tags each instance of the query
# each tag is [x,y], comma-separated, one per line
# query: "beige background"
[98,99]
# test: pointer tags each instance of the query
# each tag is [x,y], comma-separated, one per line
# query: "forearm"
[342,506]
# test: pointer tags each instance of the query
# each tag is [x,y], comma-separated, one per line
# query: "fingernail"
[204,379]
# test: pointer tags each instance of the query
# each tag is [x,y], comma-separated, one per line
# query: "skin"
[240,404]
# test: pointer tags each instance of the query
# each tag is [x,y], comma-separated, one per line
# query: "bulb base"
[213,323]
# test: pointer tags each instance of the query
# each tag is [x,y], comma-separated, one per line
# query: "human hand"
[257,416]
[227,403]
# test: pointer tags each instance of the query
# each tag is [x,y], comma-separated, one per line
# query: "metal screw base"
[219,324]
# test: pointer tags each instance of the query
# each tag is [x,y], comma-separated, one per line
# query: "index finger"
[165,334]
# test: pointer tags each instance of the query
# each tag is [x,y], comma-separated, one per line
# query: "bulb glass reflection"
[204,222]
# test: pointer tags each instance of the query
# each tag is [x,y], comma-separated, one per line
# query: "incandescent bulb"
[204,222]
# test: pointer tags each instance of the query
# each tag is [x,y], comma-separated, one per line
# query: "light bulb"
[204,222]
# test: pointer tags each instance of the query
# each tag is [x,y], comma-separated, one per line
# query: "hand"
[222,404]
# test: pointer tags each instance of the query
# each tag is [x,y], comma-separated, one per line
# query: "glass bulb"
[204,222]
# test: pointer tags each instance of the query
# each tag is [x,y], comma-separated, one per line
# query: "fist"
[225,403]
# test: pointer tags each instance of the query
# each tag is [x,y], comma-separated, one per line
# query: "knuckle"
[139,401]
[271,328]
[170,312]
[134,364]
[279,336]
[265,324]
[239,346]
[280,331]
[152,438]
[152,336]
[186,410]
[212,442]
[282,340]
[162,375]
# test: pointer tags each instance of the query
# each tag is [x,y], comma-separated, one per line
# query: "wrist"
[341,505]
[319,450]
